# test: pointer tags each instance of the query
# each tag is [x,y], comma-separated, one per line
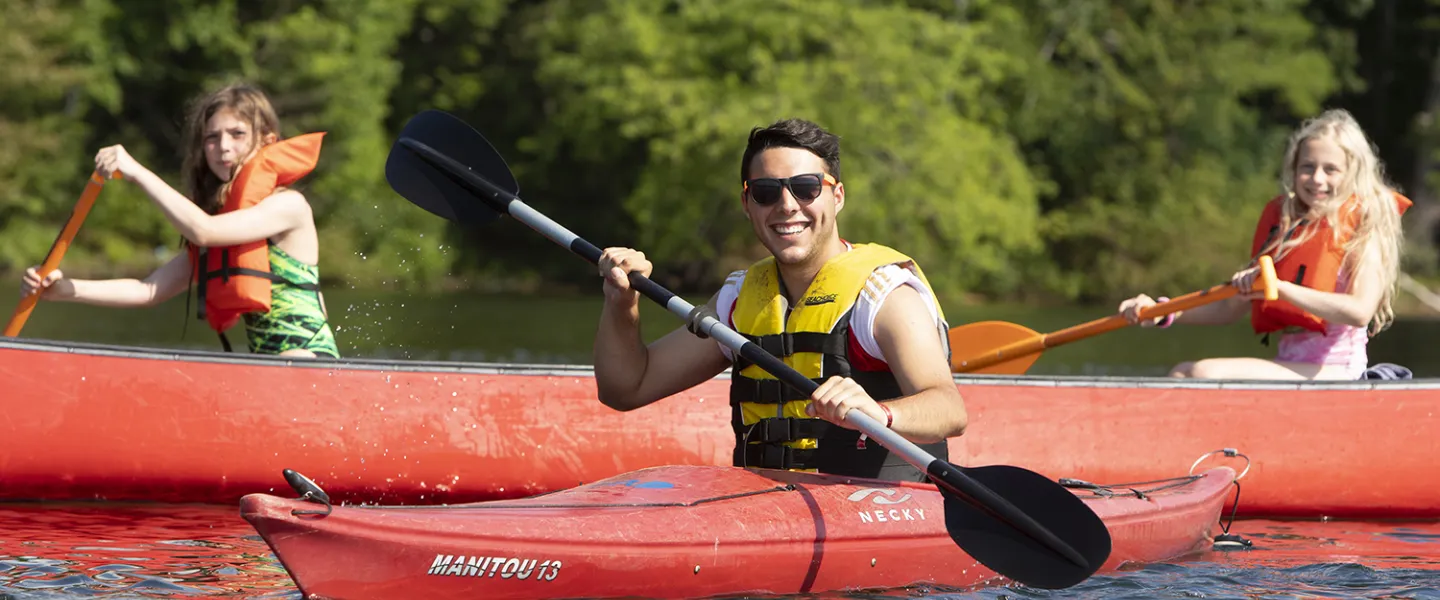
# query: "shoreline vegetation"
[1042,153]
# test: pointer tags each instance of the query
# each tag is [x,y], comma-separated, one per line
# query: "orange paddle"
[1001,348]
[57,250]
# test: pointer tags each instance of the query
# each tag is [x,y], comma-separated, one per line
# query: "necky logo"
[886,498]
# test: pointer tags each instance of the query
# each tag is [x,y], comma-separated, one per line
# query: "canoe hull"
[1337,450]
[92,422]
[201,427]
[673,532]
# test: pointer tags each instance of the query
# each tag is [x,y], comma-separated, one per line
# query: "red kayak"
[688,531]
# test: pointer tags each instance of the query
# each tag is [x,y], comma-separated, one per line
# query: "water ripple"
[111,551]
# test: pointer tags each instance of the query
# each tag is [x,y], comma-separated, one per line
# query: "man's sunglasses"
[805,188]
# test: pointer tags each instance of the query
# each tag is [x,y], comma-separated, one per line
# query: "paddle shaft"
[1040,343]
[57,251]
[943,472]
[1043,342]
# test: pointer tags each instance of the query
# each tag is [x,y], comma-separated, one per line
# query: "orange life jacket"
[236,279]
[1314,264]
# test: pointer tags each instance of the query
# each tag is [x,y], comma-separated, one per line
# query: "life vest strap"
[786,429]
[881,385]
[762,391]
[200,277]
[204,276]
[771,456]
[787,344]
[228,272]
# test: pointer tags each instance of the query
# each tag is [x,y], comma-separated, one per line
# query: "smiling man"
[860,319]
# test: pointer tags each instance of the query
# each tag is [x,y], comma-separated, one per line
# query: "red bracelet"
[889,420]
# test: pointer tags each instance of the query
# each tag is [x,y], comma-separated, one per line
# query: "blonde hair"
[249,105]
[1378,226]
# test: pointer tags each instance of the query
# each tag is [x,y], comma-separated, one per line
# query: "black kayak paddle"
[1014,521]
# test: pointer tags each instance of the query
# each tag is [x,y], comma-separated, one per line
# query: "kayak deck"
[686,531]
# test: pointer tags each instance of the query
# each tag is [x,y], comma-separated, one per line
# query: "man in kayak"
[860,319]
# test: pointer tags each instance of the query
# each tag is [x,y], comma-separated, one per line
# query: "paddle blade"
[1008,551]
[975,340]
[429,186]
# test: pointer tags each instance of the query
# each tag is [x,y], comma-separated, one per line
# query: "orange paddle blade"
[979,340]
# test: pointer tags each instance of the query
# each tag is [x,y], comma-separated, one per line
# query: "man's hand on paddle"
[615,266]
[839,395]
[629,373]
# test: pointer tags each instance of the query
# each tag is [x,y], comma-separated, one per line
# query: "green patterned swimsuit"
[296,319]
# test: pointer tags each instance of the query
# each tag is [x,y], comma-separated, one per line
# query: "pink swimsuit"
[1338,345]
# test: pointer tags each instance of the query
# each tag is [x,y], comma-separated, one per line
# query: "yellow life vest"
[769,420]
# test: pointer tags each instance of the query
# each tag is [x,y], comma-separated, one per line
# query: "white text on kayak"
[894,514]
[490,566]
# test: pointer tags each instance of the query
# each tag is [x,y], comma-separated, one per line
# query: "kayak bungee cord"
[1227,540]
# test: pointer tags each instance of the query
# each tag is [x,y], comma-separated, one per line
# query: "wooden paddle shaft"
[1111,323]
[57,251]
[1033,345]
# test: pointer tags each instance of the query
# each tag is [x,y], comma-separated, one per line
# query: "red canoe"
[94,422]
[681,532]
[86,422]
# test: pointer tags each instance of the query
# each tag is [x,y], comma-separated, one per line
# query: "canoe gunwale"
[574,370]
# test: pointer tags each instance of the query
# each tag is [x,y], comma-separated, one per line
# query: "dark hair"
[251,106]
[793,133]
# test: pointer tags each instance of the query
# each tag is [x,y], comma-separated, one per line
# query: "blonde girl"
[1335,229]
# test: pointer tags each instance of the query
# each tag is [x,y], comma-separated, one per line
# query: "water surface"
[99,550]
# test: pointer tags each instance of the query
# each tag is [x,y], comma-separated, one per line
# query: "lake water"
[197,551]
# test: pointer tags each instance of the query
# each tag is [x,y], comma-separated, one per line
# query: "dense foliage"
[1045,149]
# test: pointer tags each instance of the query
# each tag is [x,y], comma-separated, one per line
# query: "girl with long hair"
[252,246]
[1334,233]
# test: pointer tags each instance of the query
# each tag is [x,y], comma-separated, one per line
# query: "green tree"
[327,65]
[662,95]
[50,82]
[1159,127]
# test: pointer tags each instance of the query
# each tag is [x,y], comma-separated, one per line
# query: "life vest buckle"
[780,345]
